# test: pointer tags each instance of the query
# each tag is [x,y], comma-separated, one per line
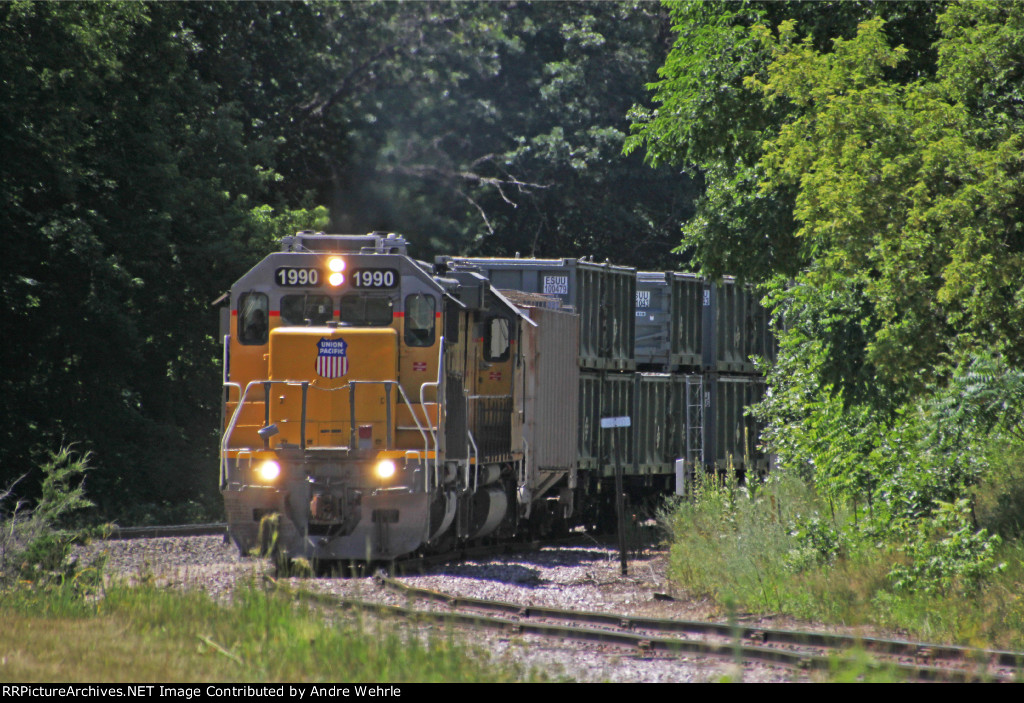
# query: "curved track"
[808,649]
[912,661]
[648,636]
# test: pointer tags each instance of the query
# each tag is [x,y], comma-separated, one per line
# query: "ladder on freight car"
[694,420]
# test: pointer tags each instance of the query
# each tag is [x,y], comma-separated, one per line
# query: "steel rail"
[153,531]
[804,638]
[645,645]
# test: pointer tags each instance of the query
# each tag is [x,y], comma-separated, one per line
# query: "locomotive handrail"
[225,362]
[525,463]
[232,384]
[423,433]
[350,386]
[475,462]
[227,385]
[231,428]
[440,414]
[522,483]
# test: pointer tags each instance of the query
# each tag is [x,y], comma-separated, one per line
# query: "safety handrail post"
[387,412]
[266,412]
[302,427]
[352,413]
[440,402]
[243,394]
[476,462]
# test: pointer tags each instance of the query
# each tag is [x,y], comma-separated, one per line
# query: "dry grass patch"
[104,648]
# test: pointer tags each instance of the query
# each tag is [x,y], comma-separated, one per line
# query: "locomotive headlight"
[268,471]
[336,266]
[385,468]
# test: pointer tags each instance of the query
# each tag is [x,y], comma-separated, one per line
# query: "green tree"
[869,166]
[709,123]
[490,127]
[127,177]
[904,191]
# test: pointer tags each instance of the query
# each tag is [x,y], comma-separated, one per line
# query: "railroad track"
[415,565]
[649,637]
[153,531]
[404,565]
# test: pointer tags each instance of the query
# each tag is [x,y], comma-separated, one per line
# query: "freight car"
[377,406]
[693,342]
[686,322]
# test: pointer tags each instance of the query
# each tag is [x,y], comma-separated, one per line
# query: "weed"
[857,666]
[144,633]
[35,544]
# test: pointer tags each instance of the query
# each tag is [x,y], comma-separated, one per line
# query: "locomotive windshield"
[297,309]
[366,310]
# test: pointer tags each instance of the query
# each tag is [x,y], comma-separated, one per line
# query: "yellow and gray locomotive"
[379,407]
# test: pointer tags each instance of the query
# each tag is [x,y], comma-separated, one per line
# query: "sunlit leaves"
[897,186]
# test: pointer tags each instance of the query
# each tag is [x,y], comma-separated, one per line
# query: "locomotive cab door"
[494,356]
[454,435]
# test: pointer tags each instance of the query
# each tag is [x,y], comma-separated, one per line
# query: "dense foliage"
[151,152]
[860,160]
[863,162]
[125,180]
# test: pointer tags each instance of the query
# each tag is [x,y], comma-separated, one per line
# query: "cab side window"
[253,318]
[496,339]
[419,320]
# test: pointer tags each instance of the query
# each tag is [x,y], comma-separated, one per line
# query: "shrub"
[947,553]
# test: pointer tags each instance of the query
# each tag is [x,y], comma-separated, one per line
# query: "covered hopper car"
[377,406]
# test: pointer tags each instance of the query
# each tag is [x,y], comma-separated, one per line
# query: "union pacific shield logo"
[331,359]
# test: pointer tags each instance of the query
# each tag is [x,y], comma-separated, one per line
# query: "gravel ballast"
[580,577]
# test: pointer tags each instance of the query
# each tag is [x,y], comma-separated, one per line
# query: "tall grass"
[60,622]
[782,549]
[145,634]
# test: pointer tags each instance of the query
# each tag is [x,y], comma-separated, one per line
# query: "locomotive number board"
[375,278]
[291,276]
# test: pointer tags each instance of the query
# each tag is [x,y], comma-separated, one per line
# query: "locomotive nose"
[339,386]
